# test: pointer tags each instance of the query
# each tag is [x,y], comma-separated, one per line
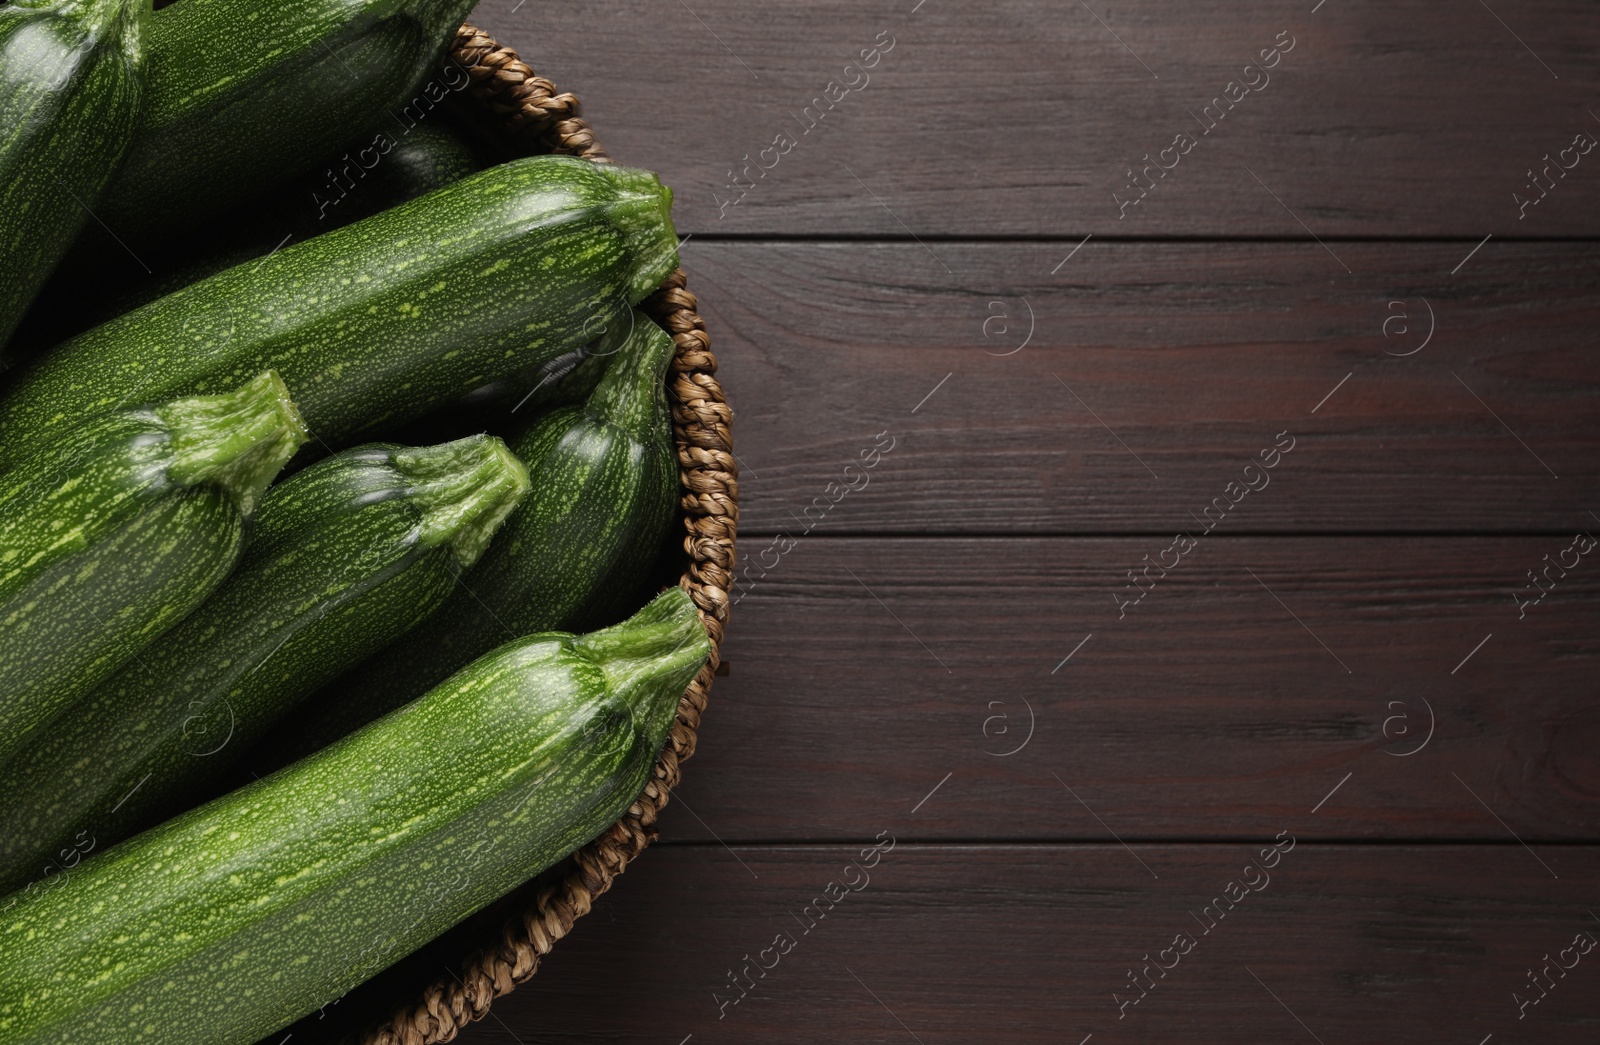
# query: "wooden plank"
[1259,676]
[1029,944]
[1024,118]
[1420,400]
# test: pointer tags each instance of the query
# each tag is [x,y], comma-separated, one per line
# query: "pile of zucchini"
[328,533]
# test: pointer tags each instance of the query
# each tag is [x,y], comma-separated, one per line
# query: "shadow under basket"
[433,993]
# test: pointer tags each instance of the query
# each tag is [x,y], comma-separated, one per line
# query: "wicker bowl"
[429,997]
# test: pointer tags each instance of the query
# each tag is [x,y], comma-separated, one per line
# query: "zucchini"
[344,557]
[248,95]
[573,555]
[378,321]
[108,540]
[236,918]
[71,81]
[430,157]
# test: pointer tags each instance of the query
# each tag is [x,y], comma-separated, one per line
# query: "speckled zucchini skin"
[573,555]
[109,539]
[238,917]
[344,557]
[251,94]
[71,81]
[375,322]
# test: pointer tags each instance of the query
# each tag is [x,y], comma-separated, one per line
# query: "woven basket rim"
[539,119]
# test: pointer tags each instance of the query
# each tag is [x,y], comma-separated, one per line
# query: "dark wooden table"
[1168,435]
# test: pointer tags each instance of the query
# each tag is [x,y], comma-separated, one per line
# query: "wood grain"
[863,671]
[1023,118]
[1026,944]
[1152,373]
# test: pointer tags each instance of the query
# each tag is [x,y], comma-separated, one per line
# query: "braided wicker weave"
[538,119]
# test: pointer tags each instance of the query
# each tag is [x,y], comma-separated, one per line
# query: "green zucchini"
[344,557]
[572,556]
[71,81]
[406,166]
[244,96]
[378,321]
[109,539]
[236,918]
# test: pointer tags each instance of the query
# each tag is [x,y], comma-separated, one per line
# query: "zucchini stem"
[643,211]
[238,440]
[649,659]
[464,489]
